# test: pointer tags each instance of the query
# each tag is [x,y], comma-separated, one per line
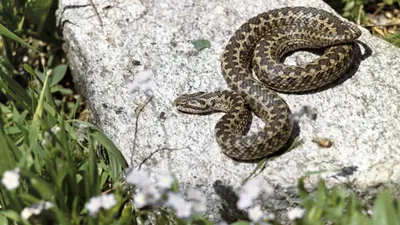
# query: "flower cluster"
[248,194]
[10,179]
[295,213]
[148,194]
[35,209]
[104,201]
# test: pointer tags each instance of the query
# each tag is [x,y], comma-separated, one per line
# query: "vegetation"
[381,18]
[57,169]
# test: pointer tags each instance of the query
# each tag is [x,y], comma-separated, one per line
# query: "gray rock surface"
[150,42]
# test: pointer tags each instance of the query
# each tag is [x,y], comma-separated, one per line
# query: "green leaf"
[44,189]
[29,69]
[7,33]
[296,143]
[58,74]
[315,213]
[14,91]
[383,212]
[161,219]
[37,12]
[241,222]
[306,198]
[322,193]
[8,151]
[260,166]
[113,152]
[201,44]
[349,5]
[38,116]
[12,215]
[388,2]
[354,205]
[198,219]
[3,220]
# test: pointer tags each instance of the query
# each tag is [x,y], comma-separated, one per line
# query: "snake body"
[259,45]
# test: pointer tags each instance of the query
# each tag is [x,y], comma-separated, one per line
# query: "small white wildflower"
[108,201]
[250,191]
[198,200]
[82,126]
[93,206]
[256,214]
[10,179]
[46,204]
[182,207]
[47,135]
[25,59]
[149,196]
[245,201]
[153,194]
[268,189]
[252,187]
[35,209]
[295,213]
[270,216]
[142,81]
[56,129]
[139,199]
[166,180]
[43,143]
[105,201]
[140,178]
[26,213]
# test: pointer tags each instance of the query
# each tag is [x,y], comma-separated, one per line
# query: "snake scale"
[259,45]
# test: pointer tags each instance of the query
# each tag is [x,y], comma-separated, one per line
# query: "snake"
[253,67]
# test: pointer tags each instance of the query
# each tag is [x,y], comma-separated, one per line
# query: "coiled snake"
[260,44]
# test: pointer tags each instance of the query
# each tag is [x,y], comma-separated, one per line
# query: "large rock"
[151,41]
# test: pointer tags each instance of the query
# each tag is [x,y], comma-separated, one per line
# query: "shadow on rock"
[228,211]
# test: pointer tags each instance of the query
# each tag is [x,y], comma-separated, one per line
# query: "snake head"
[194,103]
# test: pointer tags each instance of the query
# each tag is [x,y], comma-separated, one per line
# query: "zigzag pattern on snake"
[259,45]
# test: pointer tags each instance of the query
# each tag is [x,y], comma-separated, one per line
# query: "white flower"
[198,200]
[10,179]
[93,206]
[270,216]
[140,178]
[139,200]
[245,201]
[56,129]
[166,180]
[256,214]
[182,207]
[35,209]
[295,213]
[222,223]
[105,201]
[268,189]
[250,191]
[108,201]
[46,204]
[26,213]
[144,197]
[252,187]
[43,143]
